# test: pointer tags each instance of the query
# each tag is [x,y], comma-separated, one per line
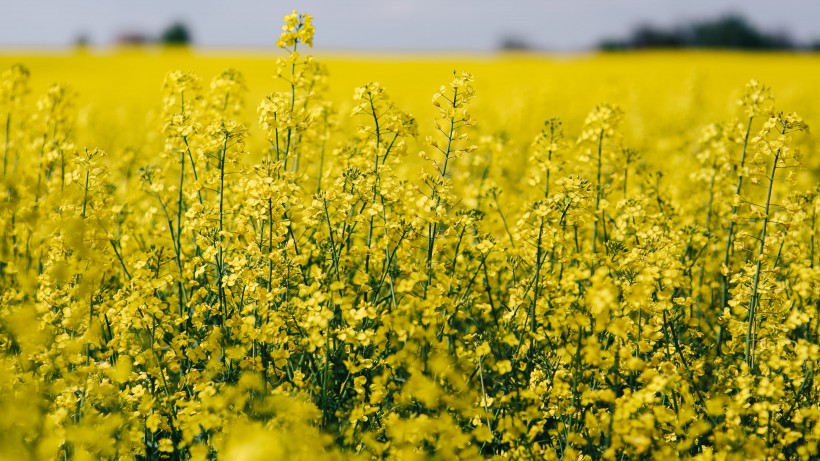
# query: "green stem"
[754,302]
[813,231]
[539,256]
[85,195]
[598,190]
[724,298]
[193,164]
[503,219]
[6,149]
[699,297]
[270,248]
[376,178]
[433,228]
[220,265]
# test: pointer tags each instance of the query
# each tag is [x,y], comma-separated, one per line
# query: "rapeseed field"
[287,256]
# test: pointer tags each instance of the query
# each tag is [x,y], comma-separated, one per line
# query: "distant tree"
[176,34]
[513,43]
[647,36]
[612,44]
[731,31]
[735,32]
[132,38]
[815,46]
[82,41]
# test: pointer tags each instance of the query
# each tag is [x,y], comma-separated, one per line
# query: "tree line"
[727,32]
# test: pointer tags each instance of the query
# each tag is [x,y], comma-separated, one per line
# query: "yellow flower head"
[14,83]
[298,28]
[757,99]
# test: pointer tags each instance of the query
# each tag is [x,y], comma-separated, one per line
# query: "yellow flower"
[166,445]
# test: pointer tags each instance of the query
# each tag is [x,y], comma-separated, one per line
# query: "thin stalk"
[85,196]
[724,298]
[503,219]
[813,231]
[333,253]
[220,266]
[119,257]
[598,191]
[6,148]
[484,395]
[325,376]
[539,256]
[270,248]
[754,302]
[376,178]
[433,228]
[626,177]
[292,107]
[193,164]
[549,164]
[180,204]
[698,297]
[321,167]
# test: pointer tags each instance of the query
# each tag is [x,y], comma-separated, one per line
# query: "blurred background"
[417,25]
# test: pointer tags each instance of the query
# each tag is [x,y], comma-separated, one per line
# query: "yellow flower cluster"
[304,289]
[298,28]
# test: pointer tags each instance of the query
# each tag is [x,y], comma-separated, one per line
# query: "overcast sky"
[385,25]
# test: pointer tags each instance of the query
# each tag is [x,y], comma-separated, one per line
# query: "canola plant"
[346,281]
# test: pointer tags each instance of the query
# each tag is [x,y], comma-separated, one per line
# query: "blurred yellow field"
[661,93]
[645,83]
[279,256]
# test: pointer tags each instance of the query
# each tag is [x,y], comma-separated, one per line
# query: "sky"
[385,25]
